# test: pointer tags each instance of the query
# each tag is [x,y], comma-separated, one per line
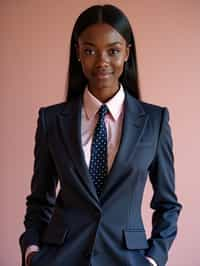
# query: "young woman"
[101,144]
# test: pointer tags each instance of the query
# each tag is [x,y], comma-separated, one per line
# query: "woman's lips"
[102,74]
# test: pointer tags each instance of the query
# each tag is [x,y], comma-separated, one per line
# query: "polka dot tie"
[98,167]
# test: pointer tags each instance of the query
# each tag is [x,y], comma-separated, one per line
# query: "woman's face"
[102,52]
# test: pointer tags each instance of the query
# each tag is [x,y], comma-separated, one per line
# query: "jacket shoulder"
[155,112]
[54,108]
[62,107]
[151,108]
[49,113]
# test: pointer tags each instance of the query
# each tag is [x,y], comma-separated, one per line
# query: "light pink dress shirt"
[113,121]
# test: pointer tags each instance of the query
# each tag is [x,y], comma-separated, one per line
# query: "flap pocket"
[135,239]
[57,230]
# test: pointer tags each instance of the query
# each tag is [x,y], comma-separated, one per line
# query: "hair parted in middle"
[113,16]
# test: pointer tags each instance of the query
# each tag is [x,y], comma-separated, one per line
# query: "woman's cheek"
[119,67]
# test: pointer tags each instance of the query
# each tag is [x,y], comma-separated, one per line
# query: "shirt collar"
[91,104]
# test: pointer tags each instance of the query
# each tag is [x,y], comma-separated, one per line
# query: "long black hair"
[113,16]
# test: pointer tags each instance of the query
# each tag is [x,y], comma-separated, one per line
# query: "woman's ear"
[128,47]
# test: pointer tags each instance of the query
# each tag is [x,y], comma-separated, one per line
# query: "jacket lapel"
[70,127]
[133,127]
[134,123]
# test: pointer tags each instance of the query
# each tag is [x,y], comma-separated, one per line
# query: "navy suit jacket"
[75,227]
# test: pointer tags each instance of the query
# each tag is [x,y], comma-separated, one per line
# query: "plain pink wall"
[34,43]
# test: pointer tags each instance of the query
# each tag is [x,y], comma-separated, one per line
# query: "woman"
[101,144]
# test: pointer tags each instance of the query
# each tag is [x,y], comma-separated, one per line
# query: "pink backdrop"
[34,43]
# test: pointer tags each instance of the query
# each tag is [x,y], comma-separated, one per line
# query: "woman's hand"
[29,257]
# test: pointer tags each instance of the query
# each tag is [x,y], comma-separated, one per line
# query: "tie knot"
[103,111]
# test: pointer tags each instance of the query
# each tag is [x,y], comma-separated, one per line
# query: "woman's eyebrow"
[109,44]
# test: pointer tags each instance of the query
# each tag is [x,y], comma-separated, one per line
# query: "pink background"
[34,44]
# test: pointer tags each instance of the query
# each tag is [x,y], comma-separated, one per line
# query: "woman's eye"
[89,51]
[114,51]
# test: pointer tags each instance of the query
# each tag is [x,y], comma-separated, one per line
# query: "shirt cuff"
[32,248]
[152,261]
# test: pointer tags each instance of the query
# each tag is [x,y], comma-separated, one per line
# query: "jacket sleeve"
[40,203]
[164,201]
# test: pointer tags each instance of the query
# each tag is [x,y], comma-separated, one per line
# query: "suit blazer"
[74,227]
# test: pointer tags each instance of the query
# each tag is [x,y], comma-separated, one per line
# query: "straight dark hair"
[113,16]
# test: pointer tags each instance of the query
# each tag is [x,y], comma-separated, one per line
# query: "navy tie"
[98,167]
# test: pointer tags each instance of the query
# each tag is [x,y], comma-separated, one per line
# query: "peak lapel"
[134,123]
[70,127]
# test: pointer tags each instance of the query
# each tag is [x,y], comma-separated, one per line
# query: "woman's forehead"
[101,33]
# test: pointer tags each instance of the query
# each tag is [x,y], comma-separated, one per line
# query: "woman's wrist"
[29,257]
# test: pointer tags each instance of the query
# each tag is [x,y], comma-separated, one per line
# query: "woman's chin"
[98,83]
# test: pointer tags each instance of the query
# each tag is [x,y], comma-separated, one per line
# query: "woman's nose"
[102,59]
